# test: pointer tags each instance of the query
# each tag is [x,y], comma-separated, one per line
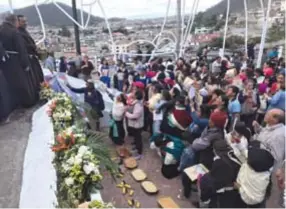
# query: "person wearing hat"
[254,177]
[93,98]
[216,187]
[215,131]
[177,120]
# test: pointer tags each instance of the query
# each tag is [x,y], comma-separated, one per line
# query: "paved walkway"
[151,165]
[13,141]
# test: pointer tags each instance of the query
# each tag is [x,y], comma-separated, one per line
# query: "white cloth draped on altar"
[39,176]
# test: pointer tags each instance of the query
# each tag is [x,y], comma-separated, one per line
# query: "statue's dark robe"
[6,105]
[33,56]
[16,67]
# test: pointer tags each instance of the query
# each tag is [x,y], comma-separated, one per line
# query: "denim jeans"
[187,159]
[120,85]
[156,126]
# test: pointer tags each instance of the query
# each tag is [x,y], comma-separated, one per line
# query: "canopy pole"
[263,36]
[11,7]
[246,27]
[225,27]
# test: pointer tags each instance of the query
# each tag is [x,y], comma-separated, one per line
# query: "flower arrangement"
[80,171]
[76,164]
[61,110]
[46,92]
[64,140]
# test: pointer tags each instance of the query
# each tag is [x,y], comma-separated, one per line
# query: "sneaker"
[138,157]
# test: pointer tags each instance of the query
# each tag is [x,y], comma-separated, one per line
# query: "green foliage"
[231,42]
[276,33]
[255,40]
[203,20]
[64,31]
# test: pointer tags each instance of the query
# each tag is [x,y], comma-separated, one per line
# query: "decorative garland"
[79,153]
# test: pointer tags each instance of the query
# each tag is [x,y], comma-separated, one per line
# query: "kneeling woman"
[117,132]
[171,150]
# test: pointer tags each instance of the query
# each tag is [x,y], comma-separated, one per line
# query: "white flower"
[78,135]
[82,150]
[69,181]
[96,171]
[71,161]
[78,160]
[88,168]
[69,130]
[66,167]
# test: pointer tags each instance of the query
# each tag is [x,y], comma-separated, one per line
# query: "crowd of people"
[20,70]
[225,114]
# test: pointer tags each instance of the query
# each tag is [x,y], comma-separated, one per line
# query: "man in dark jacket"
[93,98]
[15,67]
[32,51]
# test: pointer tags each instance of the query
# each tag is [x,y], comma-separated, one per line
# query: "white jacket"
[253,185]
[239,149]
[118,111]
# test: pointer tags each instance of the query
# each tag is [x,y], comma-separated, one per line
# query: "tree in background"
[232,42]
[276,33]
[64,31]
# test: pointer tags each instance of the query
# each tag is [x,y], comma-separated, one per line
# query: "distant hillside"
[52,15]
[235,6]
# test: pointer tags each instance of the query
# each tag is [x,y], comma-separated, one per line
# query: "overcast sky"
[124,8]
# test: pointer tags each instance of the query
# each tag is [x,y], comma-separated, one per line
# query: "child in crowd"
[262,88]
[116,131]
[238,140]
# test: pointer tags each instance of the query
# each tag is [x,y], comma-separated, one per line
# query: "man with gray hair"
[16,65]
[273,135]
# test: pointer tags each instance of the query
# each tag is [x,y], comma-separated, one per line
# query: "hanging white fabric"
[263,36]
[246,27]
[189,25]
[225,28]
[162,29]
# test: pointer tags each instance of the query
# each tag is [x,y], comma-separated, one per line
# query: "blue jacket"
[278,101]
[199,124]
